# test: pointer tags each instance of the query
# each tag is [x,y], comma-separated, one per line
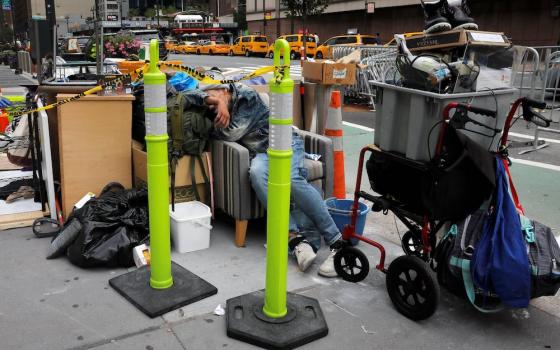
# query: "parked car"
[354,39]
[170,44]
[218,47]
[249,45]
[74,48]
[191,48]
[296,42]
[182,46]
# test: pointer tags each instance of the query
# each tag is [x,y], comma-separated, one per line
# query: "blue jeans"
[308,213]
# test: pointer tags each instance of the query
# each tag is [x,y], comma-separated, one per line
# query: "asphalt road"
[232,65]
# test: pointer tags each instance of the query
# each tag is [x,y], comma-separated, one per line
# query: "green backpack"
[189,131]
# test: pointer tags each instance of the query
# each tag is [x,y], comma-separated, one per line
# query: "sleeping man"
[241,116]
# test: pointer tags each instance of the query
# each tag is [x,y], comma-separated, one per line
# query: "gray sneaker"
[304,255]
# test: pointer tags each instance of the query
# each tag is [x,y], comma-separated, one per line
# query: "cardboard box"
[320,71]
[456,38]
[184,190]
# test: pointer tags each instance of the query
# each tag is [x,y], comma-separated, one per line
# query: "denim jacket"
[248,117]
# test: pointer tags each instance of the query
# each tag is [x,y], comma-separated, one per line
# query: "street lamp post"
[120,10]
[264,18]
[278,18]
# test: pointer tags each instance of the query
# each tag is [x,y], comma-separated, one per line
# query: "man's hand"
[222,115]
[218,101]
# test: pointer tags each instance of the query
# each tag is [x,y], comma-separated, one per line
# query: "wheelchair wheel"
[351,264]
[412,243]
[412,288]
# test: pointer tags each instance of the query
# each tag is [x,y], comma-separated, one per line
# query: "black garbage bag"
[111,226]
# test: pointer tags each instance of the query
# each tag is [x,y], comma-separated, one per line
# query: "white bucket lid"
[189,211]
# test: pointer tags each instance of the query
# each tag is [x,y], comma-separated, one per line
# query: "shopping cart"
[411,285]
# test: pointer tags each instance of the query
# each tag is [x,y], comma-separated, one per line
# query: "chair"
[232,189]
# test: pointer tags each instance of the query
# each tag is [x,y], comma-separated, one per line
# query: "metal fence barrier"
[24,62]
[537,75]
[376,63]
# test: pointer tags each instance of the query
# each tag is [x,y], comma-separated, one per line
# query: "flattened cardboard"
[93,135]
[184,191]
[456,38]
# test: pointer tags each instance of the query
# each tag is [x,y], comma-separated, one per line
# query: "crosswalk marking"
[294,70]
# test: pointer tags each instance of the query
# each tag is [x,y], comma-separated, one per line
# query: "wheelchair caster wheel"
[351,264]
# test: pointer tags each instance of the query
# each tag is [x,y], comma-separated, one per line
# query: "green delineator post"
[284,320]
[278,206]
[155,108]
[170,285]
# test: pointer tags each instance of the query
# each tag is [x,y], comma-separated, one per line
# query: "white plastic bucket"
[190,226]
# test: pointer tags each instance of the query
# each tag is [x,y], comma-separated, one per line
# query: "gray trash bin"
[404,118]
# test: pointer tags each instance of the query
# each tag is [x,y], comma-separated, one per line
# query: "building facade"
[223,9]
[21,12]
[532,23]
[109,10]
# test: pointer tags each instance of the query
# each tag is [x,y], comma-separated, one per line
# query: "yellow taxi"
[170,44]
[189,48]
[351,39]
[218,47]
[296,42]
[249,45]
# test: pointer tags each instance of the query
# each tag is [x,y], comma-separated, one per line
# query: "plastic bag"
[111,226]
[182,81]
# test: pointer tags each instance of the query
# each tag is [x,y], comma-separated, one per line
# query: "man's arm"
[221,108]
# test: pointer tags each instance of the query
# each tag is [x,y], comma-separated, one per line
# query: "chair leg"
[240,232]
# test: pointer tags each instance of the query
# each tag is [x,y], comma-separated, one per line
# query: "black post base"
[187,288]
[303,324]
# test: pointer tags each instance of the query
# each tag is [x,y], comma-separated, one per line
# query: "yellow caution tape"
[201,77]
[205,79]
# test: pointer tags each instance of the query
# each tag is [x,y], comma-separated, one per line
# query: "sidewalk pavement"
[8,79]
[51,304]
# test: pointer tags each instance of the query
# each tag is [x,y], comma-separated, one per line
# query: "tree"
[169,10]
[133,12]
[304,8]
[150,13]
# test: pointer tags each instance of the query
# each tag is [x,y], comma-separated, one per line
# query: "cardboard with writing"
[184,190]
[456,38]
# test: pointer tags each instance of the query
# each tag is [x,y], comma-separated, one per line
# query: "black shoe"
[458,15]
[435,16]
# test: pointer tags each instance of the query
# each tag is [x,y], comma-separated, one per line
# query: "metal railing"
[376,63]
[24,62]
[537,76]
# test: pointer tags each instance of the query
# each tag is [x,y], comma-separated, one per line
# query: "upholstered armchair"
[232,189]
